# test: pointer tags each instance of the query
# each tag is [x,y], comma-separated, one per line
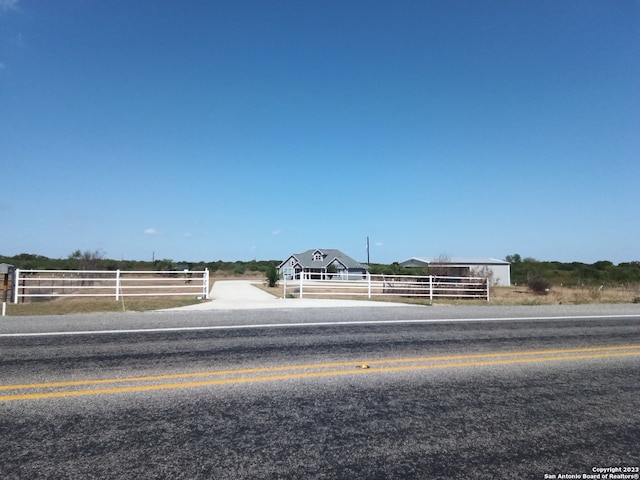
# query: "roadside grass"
[514,295]
[71,305]
[64,306]
[559,295]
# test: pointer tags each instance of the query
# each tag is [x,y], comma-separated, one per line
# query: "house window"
[317,257]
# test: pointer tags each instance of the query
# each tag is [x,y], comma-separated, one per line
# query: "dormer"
[337,264]
[318,256]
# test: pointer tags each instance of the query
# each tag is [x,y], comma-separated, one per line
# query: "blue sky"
[241,130]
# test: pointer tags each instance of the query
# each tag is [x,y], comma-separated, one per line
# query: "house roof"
[453,261]
[329,255]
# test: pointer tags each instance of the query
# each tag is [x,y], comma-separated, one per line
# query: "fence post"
[369,284]
[284,286]
[117,285]
[301,276]
[487,280]
[16,283]
[205,284]
[430,288]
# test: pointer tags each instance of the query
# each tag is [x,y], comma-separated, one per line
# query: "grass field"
[62,306]
[498,296]
[516,295]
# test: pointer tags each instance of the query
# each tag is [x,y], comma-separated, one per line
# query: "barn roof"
[453,261]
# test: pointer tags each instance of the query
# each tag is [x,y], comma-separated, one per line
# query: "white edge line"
[311,324]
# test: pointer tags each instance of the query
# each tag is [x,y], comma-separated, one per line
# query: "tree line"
[95,260]
[523,270]
[528,271]
[603,272]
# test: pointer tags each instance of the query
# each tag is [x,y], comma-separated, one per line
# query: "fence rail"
[397,285]
[109,283]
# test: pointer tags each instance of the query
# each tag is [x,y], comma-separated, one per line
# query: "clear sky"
[253,129]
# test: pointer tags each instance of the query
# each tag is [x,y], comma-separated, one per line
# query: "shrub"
[239,269]
[272,276]
[539,285]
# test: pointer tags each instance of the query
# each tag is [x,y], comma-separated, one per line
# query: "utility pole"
[368,260]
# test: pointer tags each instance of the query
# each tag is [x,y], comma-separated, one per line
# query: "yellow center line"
[455,361]
[351,363]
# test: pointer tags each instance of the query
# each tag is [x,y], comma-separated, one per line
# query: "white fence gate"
[109,283]
[391,285]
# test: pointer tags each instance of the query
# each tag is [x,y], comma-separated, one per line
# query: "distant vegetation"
[94,260]
[541,275]
[523,270]
[574,274]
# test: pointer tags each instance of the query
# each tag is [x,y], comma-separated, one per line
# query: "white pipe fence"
[109,283]
[390,285]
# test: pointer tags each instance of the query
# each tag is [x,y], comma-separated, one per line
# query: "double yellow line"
[75,388]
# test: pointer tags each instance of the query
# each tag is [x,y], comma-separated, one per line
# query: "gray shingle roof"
[306,259]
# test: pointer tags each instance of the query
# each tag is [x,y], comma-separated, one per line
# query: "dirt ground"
[565,295]
[518,295]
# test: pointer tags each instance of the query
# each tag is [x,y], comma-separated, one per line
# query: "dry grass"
[565,295]
[186,293]
[511,296]
[499,296]
[63,306]
[69,305]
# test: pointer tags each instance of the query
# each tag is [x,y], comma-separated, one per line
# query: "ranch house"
[322,264]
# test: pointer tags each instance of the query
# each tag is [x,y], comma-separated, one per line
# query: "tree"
[439,266]
[483,272]
[272,275]
[87,260]
[515,258]
[163,264]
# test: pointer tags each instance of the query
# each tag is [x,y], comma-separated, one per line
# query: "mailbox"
[5,268]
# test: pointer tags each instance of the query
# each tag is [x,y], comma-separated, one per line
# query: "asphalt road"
[365,393]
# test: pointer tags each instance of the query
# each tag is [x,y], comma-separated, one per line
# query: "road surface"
[408,392]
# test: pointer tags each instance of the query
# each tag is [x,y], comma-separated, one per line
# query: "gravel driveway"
[244,294]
